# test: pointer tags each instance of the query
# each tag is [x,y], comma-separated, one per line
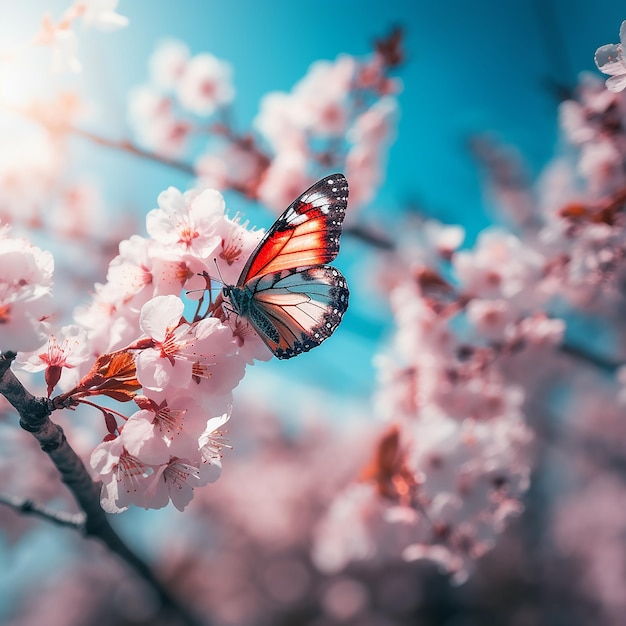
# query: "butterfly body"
[286,291]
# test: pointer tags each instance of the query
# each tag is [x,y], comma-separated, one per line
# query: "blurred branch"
[58,125]
[35,418]
[20,505]
[369,236]
[128,147]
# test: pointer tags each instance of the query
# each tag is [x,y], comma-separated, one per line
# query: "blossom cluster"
[339,116]
[35,192]
[25,292]
[63,41]
[480,346]
[184,353]
[455,461]
[61,38]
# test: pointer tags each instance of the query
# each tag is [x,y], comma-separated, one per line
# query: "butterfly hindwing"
[302,308]
[306,234]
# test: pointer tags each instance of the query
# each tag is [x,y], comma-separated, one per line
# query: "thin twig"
[35,418]
[369,236]
[129,147]
[121,145]
[61,518]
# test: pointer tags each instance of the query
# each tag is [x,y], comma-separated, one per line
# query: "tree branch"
[368,236]
[35,418]
[20,505]
[131,148]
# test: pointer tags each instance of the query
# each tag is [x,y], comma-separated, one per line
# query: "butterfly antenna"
[217,267]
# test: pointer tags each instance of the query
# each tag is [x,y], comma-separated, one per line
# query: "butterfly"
[285,291]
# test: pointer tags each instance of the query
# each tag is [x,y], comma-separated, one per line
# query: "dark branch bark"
[20,505]
[369,236]
[35,418]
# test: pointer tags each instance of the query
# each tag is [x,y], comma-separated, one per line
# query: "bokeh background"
[471,68]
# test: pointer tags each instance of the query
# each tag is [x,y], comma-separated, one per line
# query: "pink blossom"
[582,119]
[236,245]
[212,442]
[491,318]
[130,272]
[219,371]
[80,212]
[109,326]
[187,221]
[364,169]
[147,105]
[101,14]
[60,360]
[278,121]
[205,85]
[375,125]
[25,290]
[355,529]
[165,135]
[428,243]
[321,96]
[176,481]
[63,44]
[250,345]
[180,350]
[598,163]
[125,479]
[236,166]
[500,265]
[541,330]
[157,127]
[168,63]
[610,60]
[162,429]
[285,179]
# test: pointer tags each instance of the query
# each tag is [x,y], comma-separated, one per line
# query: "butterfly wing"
[306,234]
[294,310]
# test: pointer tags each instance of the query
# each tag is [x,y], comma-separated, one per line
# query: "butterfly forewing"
[286,291]
[306,234]
[304,306]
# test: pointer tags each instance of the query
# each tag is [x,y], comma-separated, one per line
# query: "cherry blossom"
[100,14]
[168,63]
[186,220]
[609,60]
[205,84]
[180,350]
[59,359]
[25,292]
[160,429]
[63,43]
[125,479]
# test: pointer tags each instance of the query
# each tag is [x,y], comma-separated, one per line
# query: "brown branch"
[20,505]
[130,148]
[35,418]
[60,126]
[362,233]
